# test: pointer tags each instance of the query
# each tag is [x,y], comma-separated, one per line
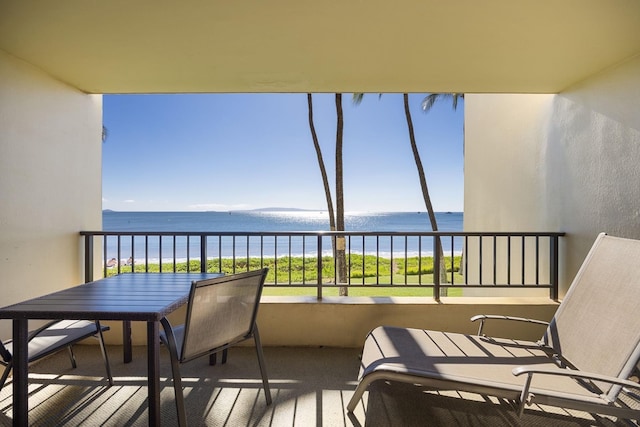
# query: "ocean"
[271,221]
[276,220]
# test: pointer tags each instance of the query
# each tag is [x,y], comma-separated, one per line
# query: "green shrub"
[366,268]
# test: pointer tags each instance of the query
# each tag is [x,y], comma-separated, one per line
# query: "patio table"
[146,297]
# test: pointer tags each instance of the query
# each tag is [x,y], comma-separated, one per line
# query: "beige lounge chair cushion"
[462,362]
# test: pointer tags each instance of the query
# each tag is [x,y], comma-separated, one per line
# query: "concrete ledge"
[345,321]
[348,300]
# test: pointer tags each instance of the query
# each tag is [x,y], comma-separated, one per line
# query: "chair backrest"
[597,326]
[221,311]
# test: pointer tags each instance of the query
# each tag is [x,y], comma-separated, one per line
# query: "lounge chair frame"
[583,361]
[55,336]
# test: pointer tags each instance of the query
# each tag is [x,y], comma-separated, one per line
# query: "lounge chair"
[53,337]
[583,360]
[221,313]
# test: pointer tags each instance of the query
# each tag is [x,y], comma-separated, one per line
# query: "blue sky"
[246,151]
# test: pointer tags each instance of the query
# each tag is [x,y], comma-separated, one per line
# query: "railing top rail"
[328,233]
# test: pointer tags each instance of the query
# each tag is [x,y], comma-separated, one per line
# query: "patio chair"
[221,313]
[53,337]
[583,360]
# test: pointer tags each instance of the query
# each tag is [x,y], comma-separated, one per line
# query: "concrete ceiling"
[169,46]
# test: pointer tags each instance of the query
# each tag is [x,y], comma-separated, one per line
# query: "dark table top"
[128,296]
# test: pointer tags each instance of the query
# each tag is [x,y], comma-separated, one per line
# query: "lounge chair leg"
[357,395]
[72,357]
[363,385]
[5,374]
[524,395]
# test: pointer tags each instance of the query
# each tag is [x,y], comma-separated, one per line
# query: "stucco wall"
[566,162]
[50,180]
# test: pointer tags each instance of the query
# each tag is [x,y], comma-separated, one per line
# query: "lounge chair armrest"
[530,370]
[533,369]
[483,317]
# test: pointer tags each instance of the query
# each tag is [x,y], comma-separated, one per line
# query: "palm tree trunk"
[424,187]
[323,172]
[341,265]
[323,169]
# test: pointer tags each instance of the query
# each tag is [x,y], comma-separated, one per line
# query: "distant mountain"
[278,210]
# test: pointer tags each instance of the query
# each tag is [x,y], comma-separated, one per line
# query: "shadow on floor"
[310,387]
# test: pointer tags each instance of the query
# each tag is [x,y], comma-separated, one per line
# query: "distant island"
[239,210]
[277,210]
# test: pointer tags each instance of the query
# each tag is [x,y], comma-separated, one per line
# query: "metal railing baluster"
[399,245]
[508,260]
[319,267]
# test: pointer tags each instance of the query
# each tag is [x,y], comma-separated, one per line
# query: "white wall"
[50,181]
[566,162]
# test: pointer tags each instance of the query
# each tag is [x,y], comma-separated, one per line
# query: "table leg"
[127,353]
[20,373]
[153,372]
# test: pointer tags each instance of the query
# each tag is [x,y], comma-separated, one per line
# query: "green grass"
[366,270]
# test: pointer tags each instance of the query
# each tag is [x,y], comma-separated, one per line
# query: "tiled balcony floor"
[310,387]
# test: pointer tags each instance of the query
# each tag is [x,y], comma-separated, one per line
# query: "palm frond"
[357,98]
[429,101]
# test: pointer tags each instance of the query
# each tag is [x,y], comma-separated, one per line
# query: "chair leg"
[213,357]
[175,370]
[177,386]
[263,367]
[105,356]
[362,386]
[5,374]
[72,357]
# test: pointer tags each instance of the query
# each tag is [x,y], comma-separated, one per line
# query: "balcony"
[567,160]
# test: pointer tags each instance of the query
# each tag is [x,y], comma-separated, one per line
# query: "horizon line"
[281,210]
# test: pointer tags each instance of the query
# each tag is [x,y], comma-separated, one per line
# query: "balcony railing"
[372,259]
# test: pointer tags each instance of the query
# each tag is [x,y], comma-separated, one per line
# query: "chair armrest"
[483,317]
[530,370]
[533,369]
